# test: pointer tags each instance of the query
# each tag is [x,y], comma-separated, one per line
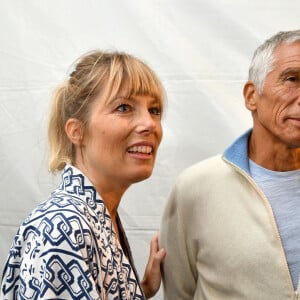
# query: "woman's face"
[121,140]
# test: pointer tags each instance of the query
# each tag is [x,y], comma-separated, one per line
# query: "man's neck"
[273,155]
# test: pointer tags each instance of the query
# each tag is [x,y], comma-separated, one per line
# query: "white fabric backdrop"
[200,49]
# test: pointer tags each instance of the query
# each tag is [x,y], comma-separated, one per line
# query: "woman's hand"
[152,277]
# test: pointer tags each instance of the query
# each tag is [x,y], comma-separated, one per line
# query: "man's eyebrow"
[289,71]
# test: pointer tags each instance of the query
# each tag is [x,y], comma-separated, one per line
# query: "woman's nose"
[146,122]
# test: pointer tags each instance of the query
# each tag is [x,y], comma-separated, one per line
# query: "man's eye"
[155,111]
[292,78]
[123,108]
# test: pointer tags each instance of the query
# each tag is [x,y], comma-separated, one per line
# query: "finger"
[154,244]
[159,257]
[161,254]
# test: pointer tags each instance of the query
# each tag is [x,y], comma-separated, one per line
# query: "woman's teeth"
[141,149]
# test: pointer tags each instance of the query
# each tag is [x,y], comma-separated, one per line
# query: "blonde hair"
[95,72]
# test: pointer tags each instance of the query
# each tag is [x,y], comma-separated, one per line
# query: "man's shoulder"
[204,172]
[205,166]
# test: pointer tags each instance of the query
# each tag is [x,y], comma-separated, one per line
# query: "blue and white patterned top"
[67,249]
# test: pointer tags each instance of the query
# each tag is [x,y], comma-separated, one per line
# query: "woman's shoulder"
[61,214]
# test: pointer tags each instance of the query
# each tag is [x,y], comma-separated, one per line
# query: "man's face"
[277,110]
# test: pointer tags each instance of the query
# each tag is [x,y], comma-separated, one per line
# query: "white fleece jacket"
[221,237]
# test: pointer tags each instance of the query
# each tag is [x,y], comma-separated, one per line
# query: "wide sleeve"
[53,257]
[179,274]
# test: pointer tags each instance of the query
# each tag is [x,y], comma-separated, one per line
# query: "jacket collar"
[237,152]
[74,182]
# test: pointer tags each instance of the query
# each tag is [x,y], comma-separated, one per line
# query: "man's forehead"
[287,50]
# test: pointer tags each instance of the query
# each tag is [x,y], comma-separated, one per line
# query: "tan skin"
[275,140]
[117,148]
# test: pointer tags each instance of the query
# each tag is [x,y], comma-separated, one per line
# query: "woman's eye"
[155,111]
[123,108]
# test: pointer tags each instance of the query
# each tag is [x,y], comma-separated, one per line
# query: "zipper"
[297,296]
[269,208]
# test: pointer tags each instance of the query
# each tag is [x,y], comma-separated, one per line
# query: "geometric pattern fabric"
[67,249]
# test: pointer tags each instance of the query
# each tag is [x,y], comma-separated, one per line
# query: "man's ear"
[74,131]
[250,95]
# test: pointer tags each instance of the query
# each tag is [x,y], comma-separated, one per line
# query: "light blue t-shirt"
[283,192]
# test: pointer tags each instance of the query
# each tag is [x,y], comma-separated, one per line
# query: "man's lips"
[294,120]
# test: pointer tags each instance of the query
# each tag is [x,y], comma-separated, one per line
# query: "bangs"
[133,77]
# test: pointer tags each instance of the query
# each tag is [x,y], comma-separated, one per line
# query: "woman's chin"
[142,175]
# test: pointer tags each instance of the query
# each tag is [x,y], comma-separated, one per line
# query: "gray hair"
[263,59]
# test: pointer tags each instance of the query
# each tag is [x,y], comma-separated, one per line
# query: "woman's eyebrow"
[120,98]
